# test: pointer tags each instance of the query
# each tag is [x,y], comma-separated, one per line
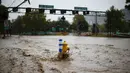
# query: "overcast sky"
[100,5]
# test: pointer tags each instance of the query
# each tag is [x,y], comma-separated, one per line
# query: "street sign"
[53,29]
[81,8]
[46,6]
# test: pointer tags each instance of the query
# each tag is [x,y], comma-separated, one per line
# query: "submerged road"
[87,54]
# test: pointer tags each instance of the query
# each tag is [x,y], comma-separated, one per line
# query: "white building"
[101,19]
[92,19]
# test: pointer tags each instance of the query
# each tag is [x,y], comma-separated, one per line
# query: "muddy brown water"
[87,54]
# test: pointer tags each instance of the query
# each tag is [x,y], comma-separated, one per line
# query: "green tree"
[31,21]
[37,22]
[79,23]
[127,4]
[115,20]
[34,20]
[102,28]
[3,17]
[59,26]
[3,13]
[62,25]
[17,26]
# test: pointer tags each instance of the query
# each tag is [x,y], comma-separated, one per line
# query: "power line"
[12,3]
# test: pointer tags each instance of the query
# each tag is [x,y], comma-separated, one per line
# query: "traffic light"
[84,12]
[87,12]
[15,9]
[63,11]
[28,10]
[75,12]
[41,10]
[52,11]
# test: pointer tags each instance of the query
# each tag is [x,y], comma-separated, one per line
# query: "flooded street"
[87,55]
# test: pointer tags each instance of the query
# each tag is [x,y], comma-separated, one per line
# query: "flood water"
[87,54]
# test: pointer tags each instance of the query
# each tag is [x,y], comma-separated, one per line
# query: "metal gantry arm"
[19,5]
[23,2]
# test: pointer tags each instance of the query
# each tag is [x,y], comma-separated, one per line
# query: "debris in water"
[26,54]
[56,70]
[110,61]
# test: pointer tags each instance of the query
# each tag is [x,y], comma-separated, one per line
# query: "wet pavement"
[87,54]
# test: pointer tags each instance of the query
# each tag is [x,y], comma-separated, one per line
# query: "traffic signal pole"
[96,18]
[16,8]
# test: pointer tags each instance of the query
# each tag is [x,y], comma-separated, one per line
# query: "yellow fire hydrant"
[65,51]
[65,47]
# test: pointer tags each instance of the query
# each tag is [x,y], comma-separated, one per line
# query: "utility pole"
[96,23]
[96,18]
